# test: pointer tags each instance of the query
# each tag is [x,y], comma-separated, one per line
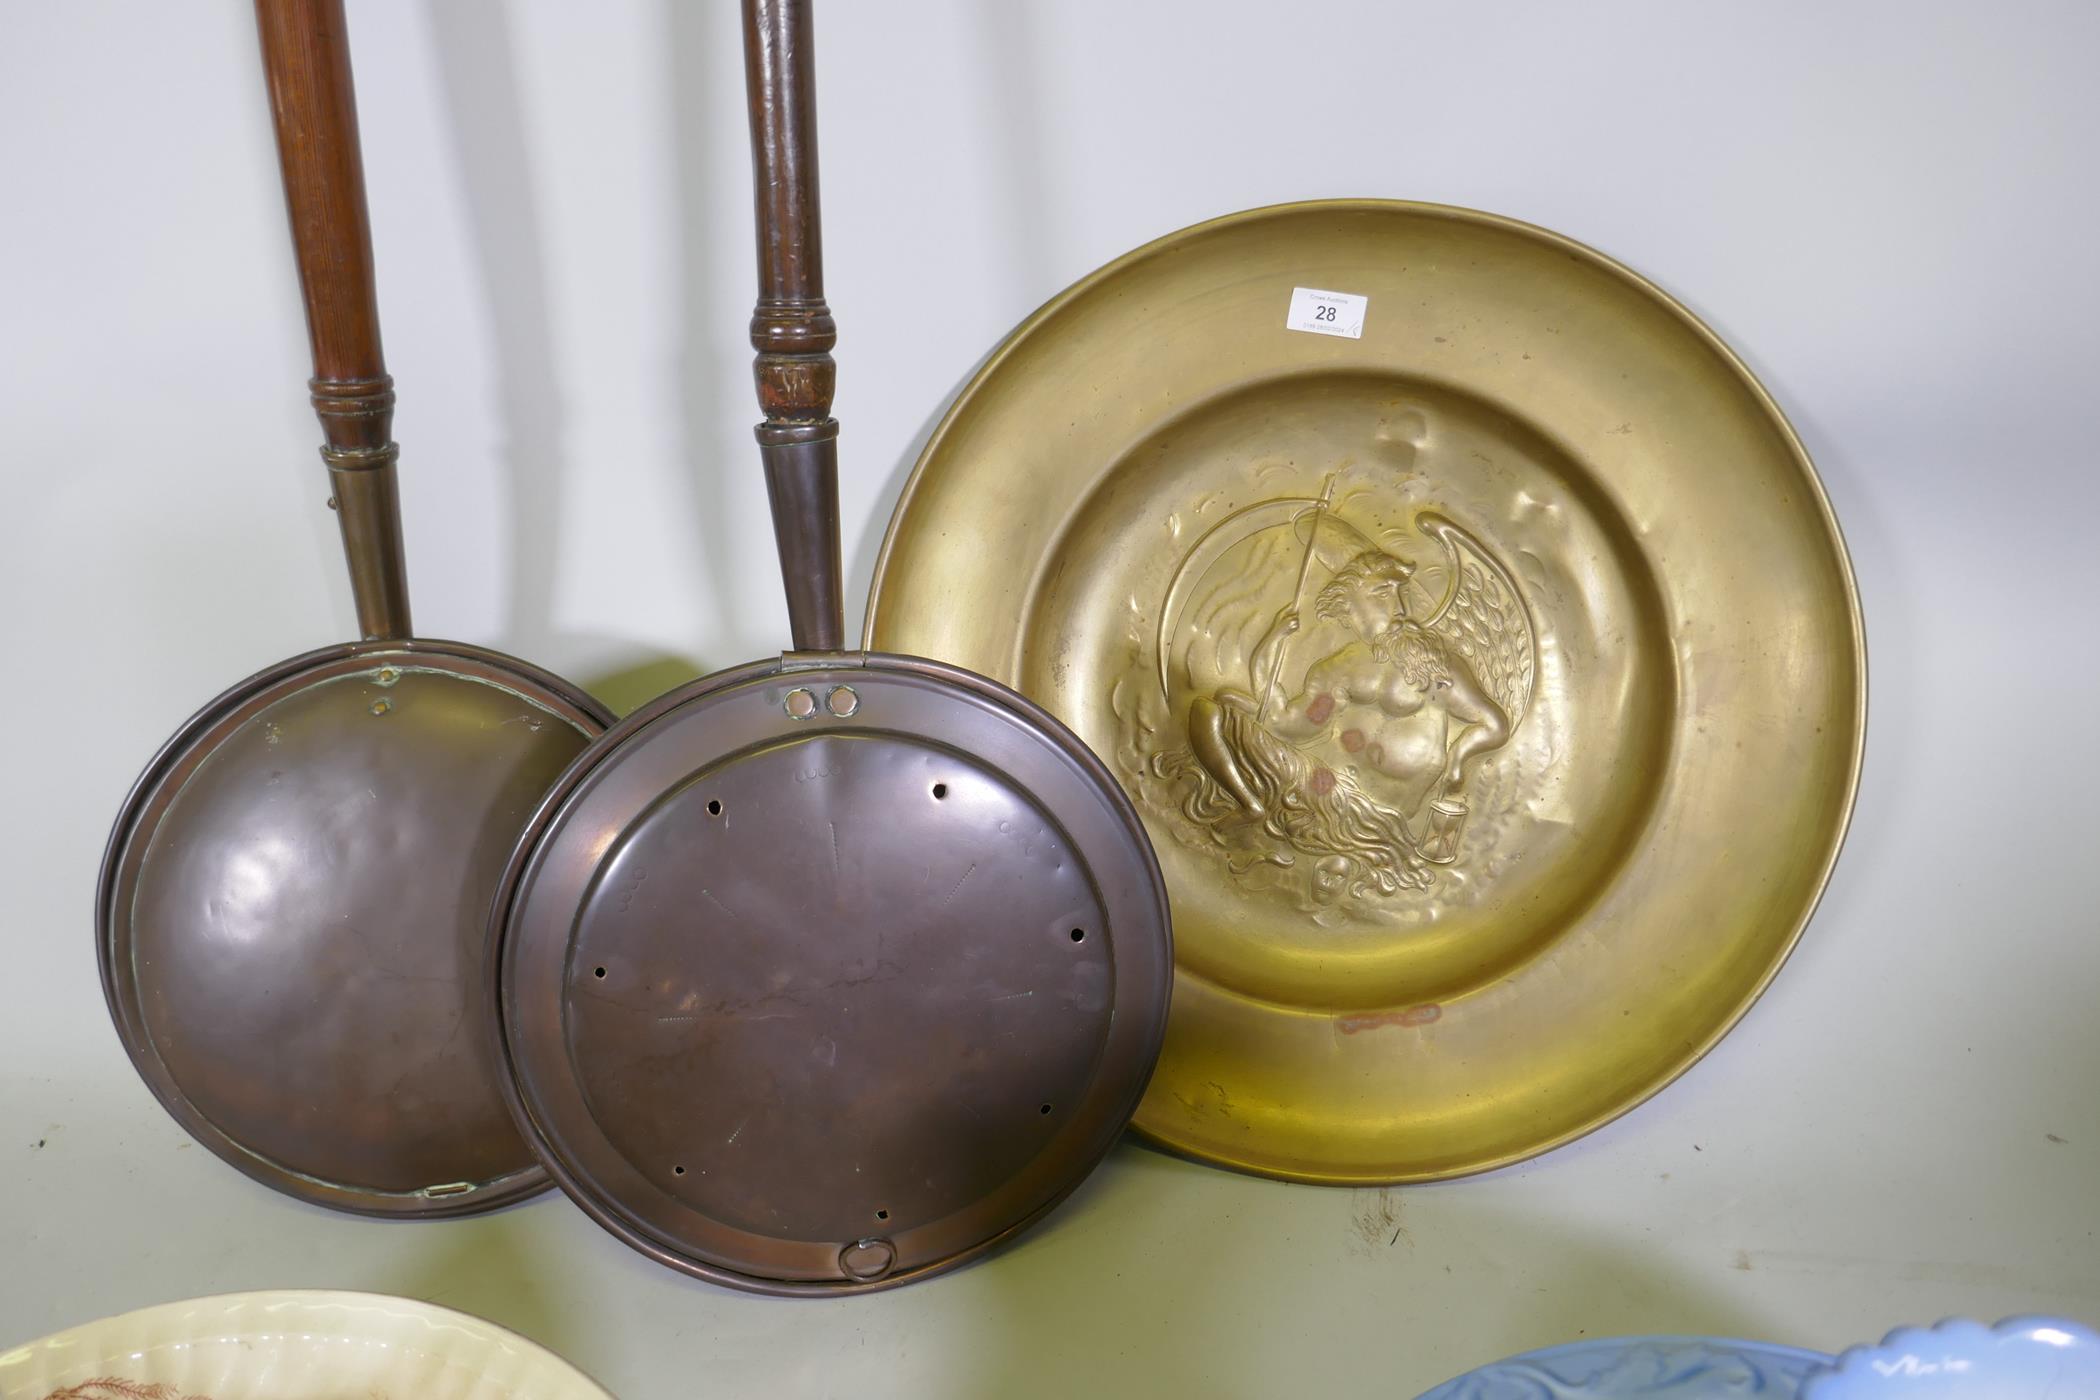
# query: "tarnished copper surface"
[830,972]
[290,909]
[291,915]
[1492,684]
[806,997]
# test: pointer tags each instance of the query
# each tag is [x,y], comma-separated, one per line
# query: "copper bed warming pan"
[1472,633]
[828,972]
[292,905]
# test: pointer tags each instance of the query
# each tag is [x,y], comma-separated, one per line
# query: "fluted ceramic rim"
[440,1354]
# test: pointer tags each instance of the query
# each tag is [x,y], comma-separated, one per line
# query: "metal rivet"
[842,701]
[800,703]
[867,1259]
[380,707]
[386,675]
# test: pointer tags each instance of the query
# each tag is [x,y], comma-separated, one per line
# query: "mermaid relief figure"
[1387,727]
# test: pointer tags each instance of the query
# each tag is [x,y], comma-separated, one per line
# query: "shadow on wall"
[484,114]
[1022,218]
[483,107]
[705,384]
[1015,113]
[865,553]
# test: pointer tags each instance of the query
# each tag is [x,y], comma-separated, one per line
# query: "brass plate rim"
[1767,406]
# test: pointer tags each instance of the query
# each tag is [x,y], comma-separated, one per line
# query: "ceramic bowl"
[2022,1358]
[1640,1368]
[290,1346]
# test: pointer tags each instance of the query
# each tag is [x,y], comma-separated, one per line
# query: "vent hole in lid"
[678,1171]
[1045,1108]
[940,789]
[714,806]
[598,972]
[882,1215]
[1079,935]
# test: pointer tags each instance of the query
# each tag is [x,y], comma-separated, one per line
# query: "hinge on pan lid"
[821,660]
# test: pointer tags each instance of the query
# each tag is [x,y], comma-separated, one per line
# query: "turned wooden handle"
[306,59]
[791,327]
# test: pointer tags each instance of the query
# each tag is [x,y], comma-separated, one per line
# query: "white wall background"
[1886,206]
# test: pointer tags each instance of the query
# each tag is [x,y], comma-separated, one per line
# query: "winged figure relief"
[1342,738]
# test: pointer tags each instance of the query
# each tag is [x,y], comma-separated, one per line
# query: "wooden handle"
[306,59]
[791,327]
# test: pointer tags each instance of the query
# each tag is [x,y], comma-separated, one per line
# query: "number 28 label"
[1327,313]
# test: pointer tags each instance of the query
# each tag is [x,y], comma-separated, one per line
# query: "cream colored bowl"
[290,1345]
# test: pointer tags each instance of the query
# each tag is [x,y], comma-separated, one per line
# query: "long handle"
[306,57]
[791,327]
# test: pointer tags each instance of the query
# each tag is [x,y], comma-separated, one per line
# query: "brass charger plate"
[1491,683]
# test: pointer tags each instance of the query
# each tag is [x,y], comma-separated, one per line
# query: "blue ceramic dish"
[1641,1368]
[2022,1358]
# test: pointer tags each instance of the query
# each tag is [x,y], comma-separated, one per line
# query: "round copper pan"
[823,977]
[290,917]
[830,972]
[290,913]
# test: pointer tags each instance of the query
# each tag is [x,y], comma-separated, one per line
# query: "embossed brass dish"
[1492,685]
